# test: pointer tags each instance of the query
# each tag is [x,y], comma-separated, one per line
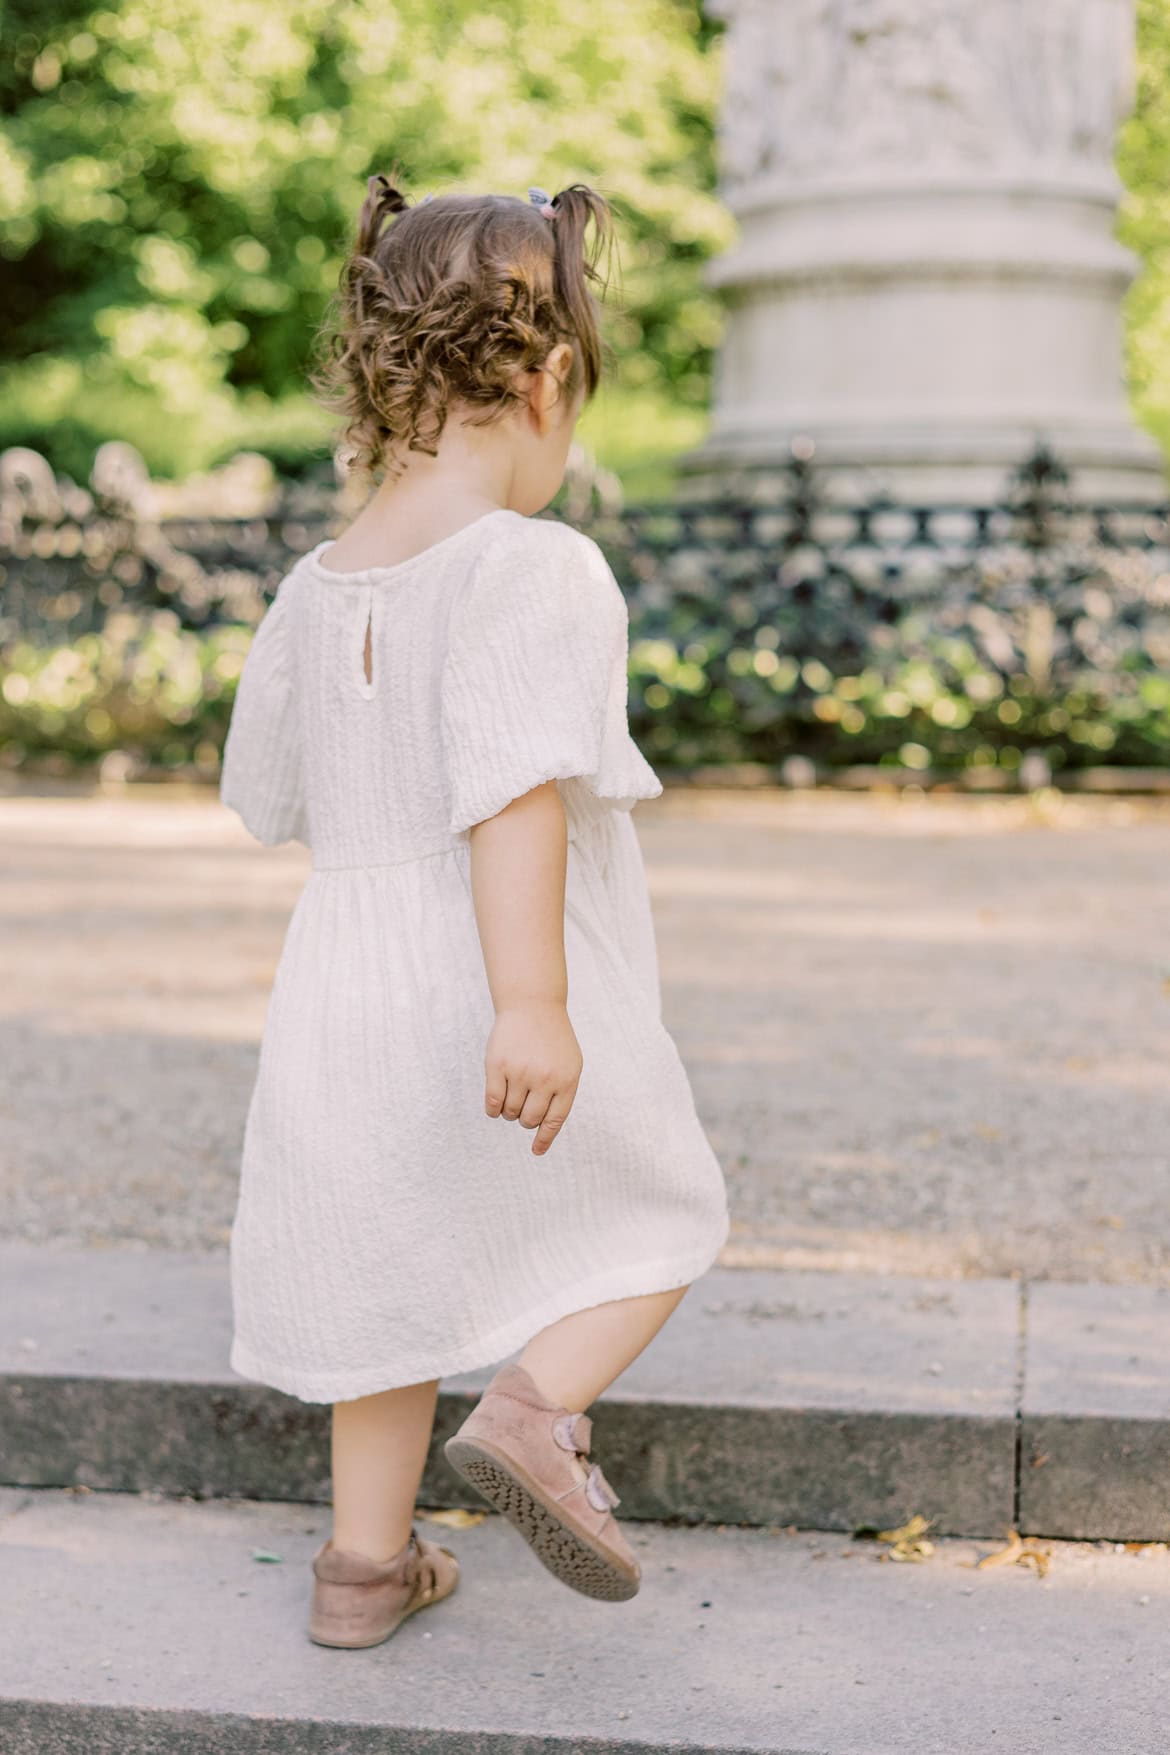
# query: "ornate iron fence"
[68,555]
[765,621]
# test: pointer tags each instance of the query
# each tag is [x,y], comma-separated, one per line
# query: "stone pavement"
[926,1035]
[827,1400]
[137,1626]
[928,1038]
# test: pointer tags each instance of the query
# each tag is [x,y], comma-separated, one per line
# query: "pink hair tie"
[541,199]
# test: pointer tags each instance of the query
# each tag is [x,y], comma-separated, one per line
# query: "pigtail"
[361,275]
[575,265]
[382,199]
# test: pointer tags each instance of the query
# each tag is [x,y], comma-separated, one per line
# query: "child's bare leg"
[574,1359]
[379,1448]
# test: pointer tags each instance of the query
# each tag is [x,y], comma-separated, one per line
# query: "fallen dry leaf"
[1018,1551]
[455,1519]
[907,1542]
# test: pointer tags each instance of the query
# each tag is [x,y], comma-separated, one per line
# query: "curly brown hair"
[455,299]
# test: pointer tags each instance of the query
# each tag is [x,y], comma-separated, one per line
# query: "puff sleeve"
[261,777]
[535,681]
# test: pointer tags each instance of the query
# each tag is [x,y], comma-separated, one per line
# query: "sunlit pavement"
[184,1626]
[926,1035]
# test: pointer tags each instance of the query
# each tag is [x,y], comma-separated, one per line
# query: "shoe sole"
[555,1537]
[319,1638]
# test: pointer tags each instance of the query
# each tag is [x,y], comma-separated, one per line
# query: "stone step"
[823,1400]
[137,1625]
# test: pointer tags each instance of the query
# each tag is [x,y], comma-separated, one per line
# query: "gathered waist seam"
[384,864]
[575,834]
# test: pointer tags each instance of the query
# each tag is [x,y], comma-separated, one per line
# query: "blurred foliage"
[637,435]
[143,685]
[1012,652]
[177,186]
[179,180]
[1143,161]
[940,648]
[924,698]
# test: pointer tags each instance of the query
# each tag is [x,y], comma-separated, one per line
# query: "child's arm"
[533,692]
[533,1061]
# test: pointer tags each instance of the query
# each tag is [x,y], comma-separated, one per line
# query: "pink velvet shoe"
[358,1602]
[523,1453]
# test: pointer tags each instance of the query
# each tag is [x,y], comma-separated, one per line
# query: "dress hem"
[629,1281]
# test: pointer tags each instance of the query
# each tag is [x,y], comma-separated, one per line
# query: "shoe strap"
[599,1492]
[340,1566]
[573,1432]
[415,1560]
[426,1574]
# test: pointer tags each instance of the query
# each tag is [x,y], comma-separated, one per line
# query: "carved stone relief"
[825,87]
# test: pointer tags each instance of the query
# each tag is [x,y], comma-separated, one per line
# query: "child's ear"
[550,386]
[560,361]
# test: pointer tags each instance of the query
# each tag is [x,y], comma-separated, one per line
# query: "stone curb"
[822,1400]
[35,1727]
[1095,1412]
[141,1625]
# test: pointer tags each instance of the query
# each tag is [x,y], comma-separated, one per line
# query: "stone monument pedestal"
[927,281]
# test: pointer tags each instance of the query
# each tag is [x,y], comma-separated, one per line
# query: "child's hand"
[532,1064]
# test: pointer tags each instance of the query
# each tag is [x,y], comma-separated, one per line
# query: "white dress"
[389,1231]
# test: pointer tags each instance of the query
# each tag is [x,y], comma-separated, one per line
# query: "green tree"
[1143,159]
[178,179]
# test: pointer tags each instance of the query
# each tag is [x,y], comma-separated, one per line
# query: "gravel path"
[926,1035]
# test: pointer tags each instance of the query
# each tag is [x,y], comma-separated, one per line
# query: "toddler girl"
[435,704]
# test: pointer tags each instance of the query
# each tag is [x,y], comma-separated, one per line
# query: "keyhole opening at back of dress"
[368,652]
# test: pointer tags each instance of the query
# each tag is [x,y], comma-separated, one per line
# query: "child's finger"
[553,1121]
[535,1105]
[515,1100]
[495,1090]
